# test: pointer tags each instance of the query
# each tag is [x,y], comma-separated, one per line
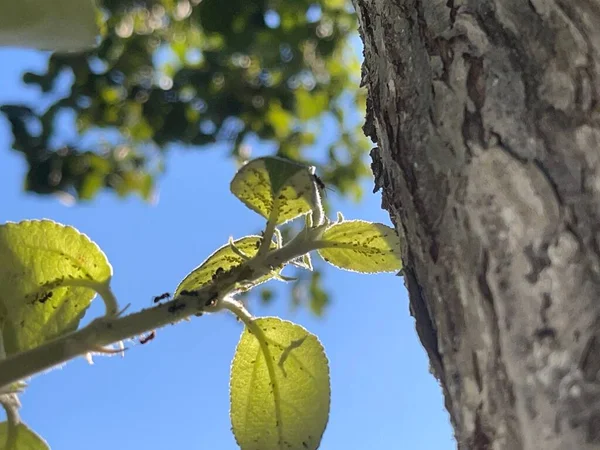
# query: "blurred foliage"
[194,73]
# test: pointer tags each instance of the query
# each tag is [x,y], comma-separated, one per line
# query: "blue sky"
[173,392]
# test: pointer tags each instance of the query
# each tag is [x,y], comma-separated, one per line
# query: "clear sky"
[173,392]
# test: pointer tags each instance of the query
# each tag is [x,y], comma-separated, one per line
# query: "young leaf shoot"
[361,246]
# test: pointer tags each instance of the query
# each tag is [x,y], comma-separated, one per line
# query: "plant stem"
[99,333]
[102,289]
[115,328]
[11,405]
[269,231]
[238,309]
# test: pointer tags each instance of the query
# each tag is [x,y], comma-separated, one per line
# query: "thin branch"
[99,333]
[114,328]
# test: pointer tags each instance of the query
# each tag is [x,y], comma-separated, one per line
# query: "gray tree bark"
[486,115]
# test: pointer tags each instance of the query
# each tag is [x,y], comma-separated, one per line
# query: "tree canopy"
[195,73]
[192,74]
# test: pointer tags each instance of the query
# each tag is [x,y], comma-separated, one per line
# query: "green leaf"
[25,439]
[57,25]
[335,4]
[280,120]
[266,296]
[280,391]
[362,246]
[309,105]
[305,262]
[91,185]
[276,187]
[37,259]
[221,261]
[319,298]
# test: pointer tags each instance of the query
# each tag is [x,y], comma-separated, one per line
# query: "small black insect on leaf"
[176,307]
[160,297]
[44,298]
[189,293]
[148,337]
[217,273]
[319,182]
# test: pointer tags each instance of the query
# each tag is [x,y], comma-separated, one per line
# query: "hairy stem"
[114,328]
[102,289]
[269,231]
[238,309]
[99,333]
[11,405]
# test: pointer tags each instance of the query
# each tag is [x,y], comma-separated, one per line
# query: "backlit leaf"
[280,393]
[276,186]
[362,246]
[36,257]
[26,439]
[221,261]
[280,120]
[309,105]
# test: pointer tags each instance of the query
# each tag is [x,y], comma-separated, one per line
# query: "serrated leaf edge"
[271,370]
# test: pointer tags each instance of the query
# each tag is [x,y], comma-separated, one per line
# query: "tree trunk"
[486,115]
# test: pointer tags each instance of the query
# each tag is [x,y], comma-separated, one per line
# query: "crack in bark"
[425,326]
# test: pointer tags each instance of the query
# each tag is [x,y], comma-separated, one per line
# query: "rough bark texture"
[486,114]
